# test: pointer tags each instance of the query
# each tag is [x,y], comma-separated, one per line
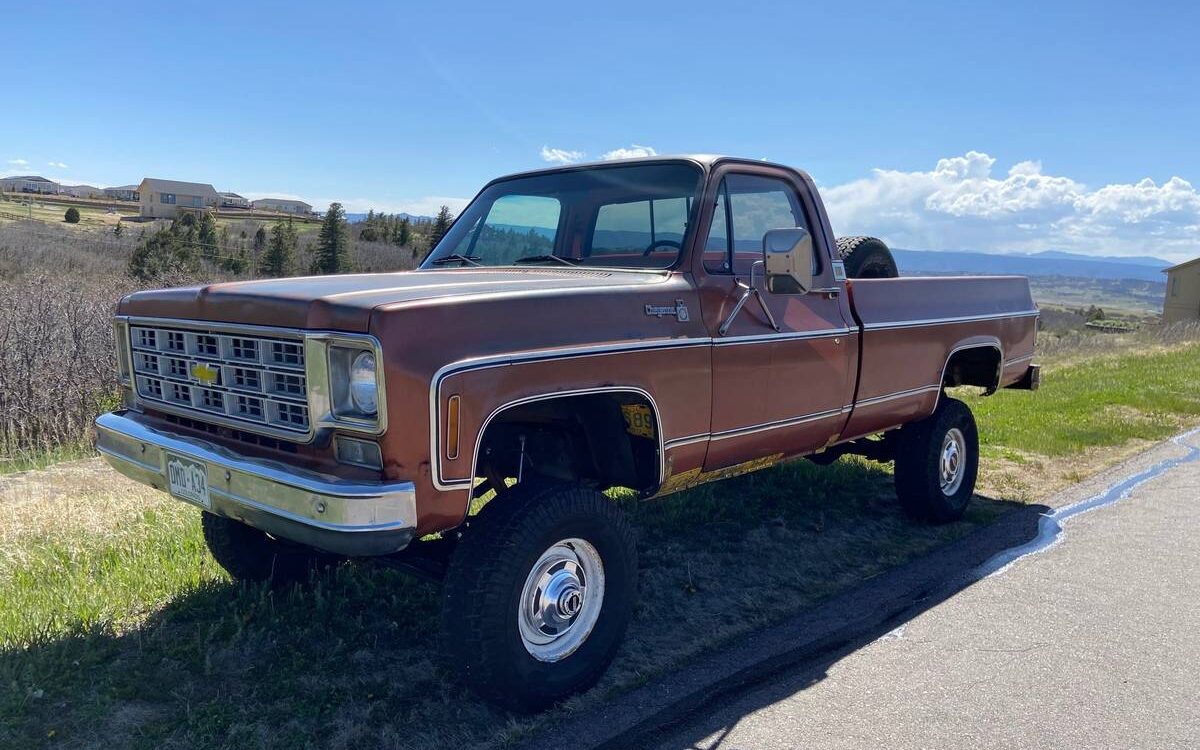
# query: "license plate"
[188,480]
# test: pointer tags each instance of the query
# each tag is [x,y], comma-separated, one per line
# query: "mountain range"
[1045,263]
[356,218]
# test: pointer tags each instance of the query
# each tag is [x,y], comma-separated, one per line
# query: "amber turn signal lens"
[452,427]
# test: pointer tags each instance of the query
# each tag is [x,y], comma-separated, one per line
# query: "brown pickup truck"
[649,324]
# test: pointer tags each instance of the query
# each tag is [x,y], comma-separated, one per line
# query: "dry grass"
[73,499]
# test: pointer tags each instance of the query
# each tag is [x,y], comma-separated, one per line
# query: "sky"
[1000,127]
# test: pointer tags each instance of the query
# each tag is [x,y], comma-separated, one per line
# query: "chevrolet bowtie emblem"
[205,373]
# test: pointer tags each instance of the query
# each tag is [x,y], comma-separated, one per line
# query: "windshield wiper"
[456,258]
[544,258]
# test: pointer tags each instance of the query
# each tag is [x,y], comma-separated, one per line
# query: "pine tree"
[404,232]
[333,243]
[277,260]
[206,235]
[441,225]
[167,252]
[118,230]
[260,241]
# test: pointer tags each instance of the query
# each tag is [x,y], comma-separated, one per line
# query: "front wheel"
[538,595]
[937,460]
[248,554]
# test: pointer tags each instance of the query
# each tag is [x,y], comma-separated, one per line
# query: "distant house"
[123,193]
[1183,292]
[282,205]
[233,200]
[28,184]
[164,199]
[81,191]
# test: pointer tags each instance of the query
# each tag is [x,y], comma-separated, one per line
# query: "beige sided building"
[164,199]
[1183,292]
[282,205]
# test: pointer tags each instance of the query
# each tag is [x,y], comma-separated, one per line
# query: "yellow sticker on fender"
[638,420]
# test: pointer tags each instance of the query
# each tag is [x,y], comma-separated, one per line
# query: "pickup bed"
[651,324]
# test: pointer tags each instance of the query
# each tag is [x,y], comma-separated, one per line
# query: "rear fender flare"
[975,342]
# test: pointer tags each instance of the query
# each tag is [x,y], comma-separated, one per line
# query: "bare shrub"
[56,372]
[60,288]
[31,247]
[376,257]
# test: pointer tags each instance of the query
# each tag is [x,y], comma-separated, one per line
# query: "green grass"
[141,630]
[1095,402]
[131,637]
[47,210]
[27,460]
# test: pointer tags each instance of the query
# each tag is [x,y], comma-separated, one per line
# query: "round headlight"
[363,392]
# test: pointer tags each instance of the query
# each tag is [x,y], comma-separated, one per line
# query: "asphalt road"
[1092,643]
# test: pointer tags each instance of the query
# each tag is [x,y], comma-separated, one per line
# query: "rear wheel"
[248,554]
[866,258]
[937,460]
[538,594]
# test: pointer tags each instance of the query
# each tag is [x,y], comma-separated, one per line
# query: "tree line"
[193,242]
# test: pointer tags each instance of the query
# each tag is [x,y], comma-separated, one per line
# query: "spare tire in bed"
[866,258]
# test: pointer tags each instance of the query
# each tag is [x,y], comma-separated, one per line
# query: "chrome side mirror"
[788,259]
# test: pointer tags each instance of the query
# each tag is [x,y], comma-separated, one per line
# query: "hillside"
[1049,263]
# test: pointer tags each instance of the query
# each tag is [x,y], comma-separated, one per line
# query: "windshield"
[634,216]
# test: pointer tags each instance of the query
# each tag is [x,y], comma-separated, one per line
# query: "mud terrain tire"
[499,603]
[937,459]
[866,258]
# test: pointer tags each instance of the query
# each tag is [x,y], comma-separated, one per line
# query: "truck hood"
[345,302]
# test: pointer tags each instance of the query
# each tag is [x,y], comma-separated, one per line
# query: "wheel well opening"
[605,440]
[979,366]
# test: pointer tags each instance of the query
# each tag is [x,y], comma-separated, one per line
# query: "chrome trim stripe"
[792,336]
[542,355]
[993,344]
[688,440]
[897,395]
[1015,360]
[567,394]
[816,417]
[503,360]
[945,321]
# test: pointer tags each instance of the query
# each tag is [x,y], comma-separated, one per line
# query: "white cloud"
[560,155]
[19,162]
[56,164]
[629,153]
[568,156]
[959,204]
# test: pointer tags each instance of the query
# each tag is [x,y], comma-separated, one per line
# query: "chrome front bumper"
[347,518]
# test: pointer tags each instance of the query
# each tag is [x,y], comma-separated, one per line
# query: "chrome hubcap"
[953,463]
[561,600]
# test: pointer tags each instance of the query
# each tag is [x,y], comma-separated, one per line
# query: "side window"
[754,205]
[716,247]
[516,226]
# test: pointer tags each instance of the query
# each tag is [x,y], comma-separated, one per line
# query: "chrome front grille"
[231,375]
